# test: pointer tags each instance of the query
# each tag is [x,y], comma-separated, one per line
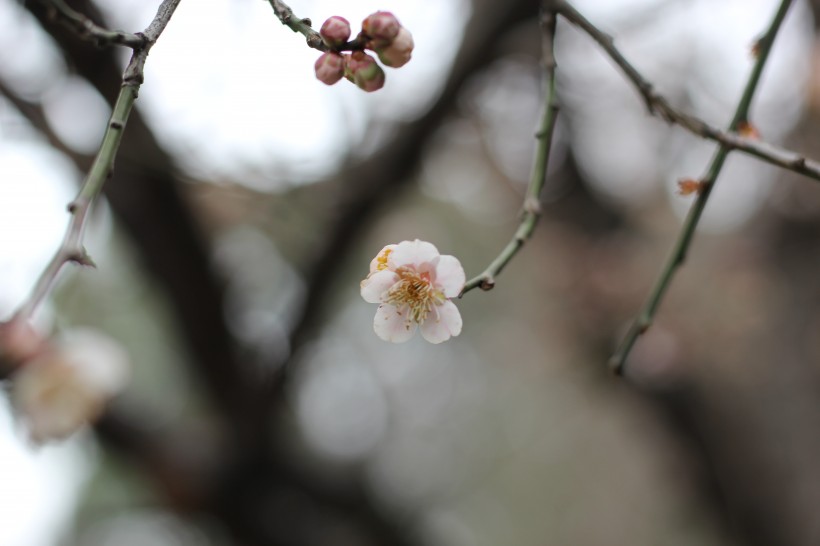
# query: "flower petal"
[450,277]
[377,284]
[394,324]
[381,259]
[443,322]
[412,253]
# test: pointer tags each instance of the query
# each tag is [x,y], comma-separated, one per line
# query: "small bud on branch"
[689,186]
[364,71]
[382,28]
[335,31]
[330,67]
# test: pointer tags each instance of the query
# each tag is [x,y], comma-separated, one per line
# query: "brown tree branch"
[658,105]
[35,115]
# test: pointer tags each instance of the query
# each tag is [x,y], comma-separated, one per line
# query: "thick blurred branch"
[657,104]
[71,249]
[34,113]
[88,30]
[647,314]
[532,201]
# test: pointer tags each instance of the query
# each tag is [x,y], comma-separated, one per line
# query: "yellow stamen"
[415,291]
[381,259]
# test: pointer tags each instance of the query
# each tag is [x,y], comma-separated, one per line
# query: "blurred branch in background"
[86,28]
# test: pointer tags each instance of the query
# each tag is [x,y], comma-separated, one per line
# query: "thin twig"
[657,104]
[647,314]
[89,30]
[296,24]
[71,249]
[532,202]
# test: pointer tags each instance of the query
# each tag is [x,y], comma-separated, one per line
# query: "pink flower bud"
[382,27]
[364,71]
[330,67]
[335,31]
[399,52]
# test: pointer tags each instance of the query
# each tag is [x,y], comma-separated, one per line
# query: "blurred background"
[248,200]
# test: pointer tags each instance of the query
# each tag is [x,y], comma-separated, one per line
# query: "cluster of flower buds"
[59,385]
[381,33]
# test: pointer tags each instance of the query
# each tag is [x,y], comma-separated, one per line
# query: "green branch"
[71,249]
[657,104]
[681,247]
[532,204]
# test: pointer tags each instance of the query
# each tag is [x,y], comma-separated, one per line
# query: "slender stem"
[302,26]
[657,104]
[532,205]
[71,249]
[681,247]
[87,29]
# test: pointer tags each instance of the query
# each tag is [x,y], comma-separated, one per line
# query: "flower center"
[416,291]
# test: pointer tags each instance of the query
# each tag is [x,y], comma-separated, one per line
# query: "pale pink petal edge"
[443,323]
[374,286]
[450,277]
[412,253]
[393,324]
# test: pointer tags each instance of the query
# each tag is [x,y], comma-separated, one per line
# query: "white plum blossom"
[67,385]
[413,284]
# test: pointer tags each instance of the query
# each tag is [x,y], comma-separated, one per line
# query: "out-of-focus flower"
[330,67]
[335,31]
[399,52]
[381,27]
[68,385]
[413,284]
[364,71]
[19,341]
